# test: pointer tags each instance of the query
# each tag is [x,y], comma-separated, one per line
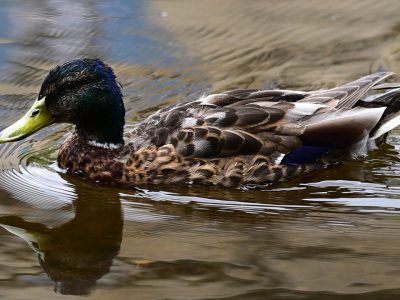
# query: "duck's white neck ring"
[105,145]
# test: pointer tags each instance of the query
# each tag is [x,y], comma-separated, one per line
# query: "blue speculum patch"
[305,154]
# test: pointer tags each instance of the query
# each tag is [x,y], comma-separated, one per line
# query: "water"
[331,235]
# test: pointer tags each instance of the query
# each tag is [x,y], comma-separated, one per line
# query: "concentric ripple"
[30,177]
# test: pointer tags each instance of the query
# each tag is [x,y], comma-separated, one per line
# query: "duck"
[229,139]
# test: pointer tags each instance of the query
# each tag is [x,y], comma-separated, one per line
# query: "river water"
[331,235]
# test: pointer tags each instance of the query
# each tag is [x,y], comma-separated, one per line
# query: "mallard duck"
[234,138]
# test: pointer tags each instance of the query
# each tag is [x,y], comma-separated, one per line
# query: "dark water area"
[329,235]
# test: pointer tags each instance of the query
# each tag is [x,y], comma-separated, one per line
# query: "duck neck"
[105,135]
[102,117]
[104,124]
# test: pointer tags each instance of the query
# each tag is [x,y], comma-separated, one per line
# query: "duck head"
[82,92]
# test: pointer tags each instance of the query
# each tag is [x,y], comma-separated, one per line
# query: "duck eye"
[34,113]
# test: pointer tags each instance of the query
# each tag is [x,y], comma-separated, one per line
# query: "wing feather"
[347,95]
[269,123]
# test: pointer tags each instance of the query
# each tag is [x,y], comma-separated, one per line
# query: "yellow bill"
[36,118]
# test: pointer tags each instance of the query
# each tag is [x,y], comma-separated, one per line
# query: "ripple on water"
[31,177]
[362,196]
[222,204]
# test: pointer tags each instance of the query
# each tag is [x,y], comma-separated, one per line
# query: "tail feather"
[386,86]
[391,116]
[342,128]
[386,125]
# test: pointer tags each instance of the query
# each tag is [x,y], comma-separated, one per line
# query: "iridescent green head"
[83,92]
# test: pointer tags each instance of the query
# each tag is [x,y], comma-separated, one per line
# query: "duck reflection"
[77,253]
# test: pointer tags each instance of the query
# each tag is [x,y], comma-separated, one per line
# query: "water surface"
[331,235]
